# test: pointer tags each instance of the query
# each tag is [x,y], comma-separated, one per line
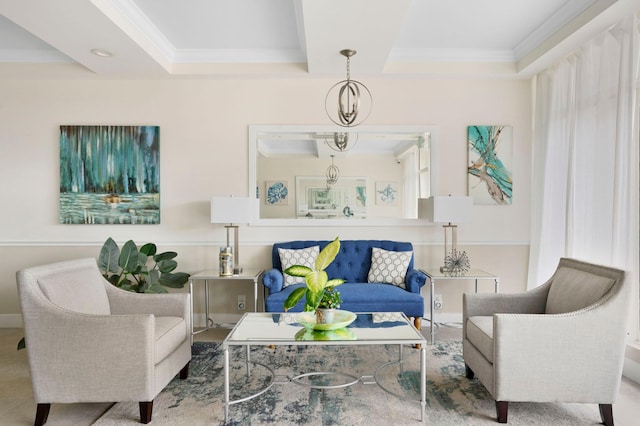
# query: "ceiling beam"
[74,27]
[368,26]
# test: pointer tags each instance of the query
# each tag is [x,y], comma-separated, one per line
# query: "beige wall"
[204,152]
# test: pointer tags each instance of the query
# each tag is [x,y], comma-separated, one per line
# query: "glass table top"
[468,275]
[265,328]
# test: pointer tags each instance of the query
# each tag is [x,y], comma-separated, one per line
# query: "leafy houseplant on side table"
[320,293]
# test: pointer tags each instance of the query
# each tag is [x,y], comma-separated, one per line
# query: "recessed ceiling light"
[102,53]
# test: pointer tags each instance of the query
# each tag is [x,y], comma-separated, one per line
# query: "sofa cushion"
[572,289]
[389,267]
[480,334]
[77,290]
[291,257]
[170,332]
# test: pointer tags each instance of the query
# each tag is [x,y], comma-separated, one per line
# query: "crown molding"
[238,56]
[570,11]
[451,55]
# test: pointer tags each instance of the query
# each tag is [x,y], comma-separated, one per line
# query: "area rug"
[451,398]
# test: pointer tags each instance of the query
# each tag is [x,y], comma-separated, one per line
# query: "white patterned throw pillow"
[389,267]
[290,257]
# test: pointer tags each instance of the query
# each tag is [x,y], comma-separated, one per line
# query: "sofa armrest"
[414,280]
[273,280]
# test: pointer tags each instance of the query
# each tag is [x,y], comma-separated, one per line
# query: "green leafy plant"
[317,281]
[128,268]
[331,299]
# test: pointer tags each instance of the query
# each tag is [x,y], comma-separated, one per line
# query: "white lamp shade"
[449,209]
[231,209]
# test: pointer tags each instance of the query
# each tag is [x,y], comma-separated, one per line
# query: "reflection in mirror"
[320,172]
[316,198]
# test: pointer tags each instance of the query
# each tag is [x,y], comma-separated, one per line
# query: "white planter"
[324,316]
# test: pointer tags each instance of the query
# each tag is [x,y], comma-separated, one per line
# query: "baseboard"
[446,317]
[10,321]
[631,368]
[224,319]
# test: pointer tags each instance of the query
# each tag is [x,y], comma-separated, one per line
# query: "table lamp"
[231,210]
[450,210]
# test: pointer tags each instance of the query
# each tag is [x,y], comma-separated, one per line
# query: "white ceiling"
[157,38]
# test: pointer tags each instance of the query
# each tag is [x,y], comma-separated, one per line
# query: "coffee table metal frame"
[275,329]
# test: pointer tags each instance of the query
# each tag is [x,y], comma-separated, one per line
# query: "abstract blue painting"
[490,161]
[277,192]
[109,175]
[387,193]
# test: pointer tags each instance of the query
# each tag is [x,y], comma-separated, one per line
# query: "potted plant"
[127,268]
[319,292]
[329,302]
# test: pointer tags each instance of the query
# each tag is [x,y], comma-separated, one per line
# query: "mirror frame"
[254,130]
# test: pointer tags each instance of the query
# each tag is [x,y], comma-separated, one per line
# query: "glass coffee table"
[275,329]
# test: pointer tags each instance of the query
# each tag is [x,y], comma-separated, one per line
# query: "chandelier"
[354,98]
[333,172]
[341,141]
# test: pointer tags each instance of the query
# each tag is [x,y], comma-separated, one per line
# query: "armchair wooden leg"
[42,413]
[501,409]
[146,409]
[606,414]
[184,373]
[468,372]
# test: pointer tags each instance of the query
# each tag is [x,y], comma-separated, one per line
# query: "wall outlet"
[437,301]
[242,302]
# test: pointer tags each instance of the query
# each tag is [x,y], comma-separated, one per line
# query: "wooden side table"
[211,275]
[434,274]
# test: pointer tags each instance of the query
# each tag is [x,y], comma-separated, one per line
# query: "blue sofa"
[352,264]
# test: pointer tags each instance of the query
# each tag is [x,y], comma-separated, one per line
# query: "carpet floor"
[451,398]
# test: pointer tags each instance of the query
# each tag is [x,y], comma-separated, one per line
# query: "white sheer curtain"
[585,158]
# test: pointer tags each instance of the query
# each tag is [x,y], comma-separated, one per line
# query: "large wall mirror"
[313,175]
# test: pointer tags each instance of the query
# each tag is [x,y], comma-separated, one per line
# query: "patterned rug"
[451,398]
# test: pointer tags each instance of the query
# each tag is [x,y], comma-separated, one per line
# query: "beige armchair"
[561,342]
[88,341]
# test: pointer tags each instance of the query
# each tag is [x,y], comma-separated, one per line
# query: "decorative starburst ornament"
[456,263]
